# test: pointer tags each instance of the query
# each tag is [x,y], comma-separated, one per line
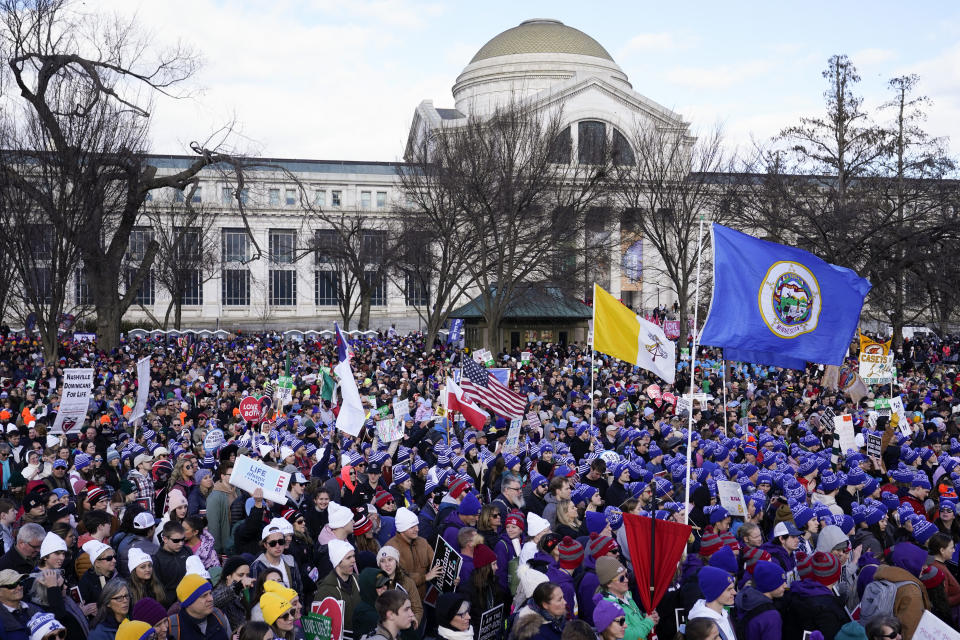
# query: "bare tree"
[85,83]
[674,182]
[189,250]
[522,205]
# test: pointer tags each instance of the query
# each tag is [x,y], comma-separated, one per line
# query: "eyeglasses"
[274,543]
[891,636]
[495,516]
[620,620]
[287,616]
[109,558]
[622,578]
[300,521]
[61,634]
[122,596]
[36,547]
[18,583]
[464,613]
[176,540]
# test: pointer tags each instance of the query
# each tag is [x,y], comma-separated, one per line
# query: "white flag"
[352,416]
[655,352]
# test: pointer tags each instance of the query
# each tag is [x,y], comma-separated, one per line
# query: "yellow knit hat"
[190,588]
[273,606]
[134,630]
[272,586]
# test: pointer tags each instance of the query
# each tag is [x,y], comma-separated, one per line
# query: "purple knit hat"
[148,610]
[605,613]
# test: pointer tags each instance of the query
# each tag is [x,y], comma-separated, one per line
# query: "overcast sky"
[340,79]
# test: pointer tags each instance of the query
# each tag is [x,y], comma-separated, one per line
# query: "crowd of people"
[130,529]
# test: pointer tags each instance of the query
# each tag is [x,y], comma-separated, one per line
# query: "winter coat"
[564,580]
[865,538]
[451,527]
[349,594]
[780,555]
[911,601]
[196,502]
[533,623]
[206,551]
[810,606]
[723,621]
[639,625]
[228,599]
[415,559]
[218,518]
[169,568]
[505,553]
[106,630]
[14,629]
[550,510]
[589,584]
[952,587]
[365,616]
[292,571]
[218,628]
[763,625]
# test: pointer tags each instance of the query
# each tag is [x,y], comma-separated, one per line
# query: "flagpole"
[693,376]
[592,350]
[723,370]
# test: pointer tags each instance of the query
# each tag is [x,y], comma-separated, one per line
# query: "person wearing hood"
[833,540]
[785,541]
[719,591]
[812,604]
[561,574]
[372,583]
[907,562]
[756,613]
[218,504]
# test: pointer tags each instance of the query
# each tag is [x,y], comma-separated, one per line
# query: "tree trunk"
[366,299]
[104,287]
[49,338]
[178,315]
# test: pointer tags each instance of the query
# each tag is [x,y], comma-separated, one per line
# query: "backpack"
[174,632]
[740,623]
[878,598]
[442,513]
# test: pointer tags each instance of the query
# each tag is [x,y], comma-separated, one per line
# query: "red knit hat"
[931,576]
[290,515]
[571,553]
[382,498]
[826,568]
[96,494]
[600,545]
[804,565]
[710,543]
[516,518]
[482,556]
[752,556]
[361,525]
[729,540]
[458,487]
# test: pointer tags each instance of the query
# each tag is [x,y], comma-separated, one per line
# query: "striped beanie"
[752,556]
[516,518]
[190,589]
[710,543]
[931,576]
[729,540]
[458,486]
[571,553]
[599,545]
[826,568]
[804,565]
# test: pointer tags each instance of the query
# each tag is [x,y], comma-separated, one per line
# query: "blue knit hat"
[595,521]
[469,506]
[889,500]
[724,559]
[802,514]
[713,582]
[768,576]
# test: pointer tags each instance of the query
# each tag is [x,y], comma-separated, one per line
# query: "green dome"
[541,36]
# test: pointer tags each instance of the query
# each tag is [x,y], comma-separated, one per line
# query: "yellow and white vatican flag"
[619,332]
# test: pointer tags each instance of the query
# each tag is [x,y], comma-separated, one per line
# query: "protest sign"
[74,400]
[843,427]
[933,628]
[533,419]
[317,627]
[512,444]
[332,609]
[491,623]
[731,498]
[671,329]
[250,475]
[525,357]
[873,445]
[389,430]
[251,410]
[85,337]
[450,562]
[284,391]
[896,406]
[876,369]
[143,389]
[401,409]
[213,440]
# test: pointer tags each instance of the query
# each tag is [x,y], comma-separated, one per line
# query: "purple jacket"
[766,625]
[451,527]
[780,556]
[588,586]
[564,580]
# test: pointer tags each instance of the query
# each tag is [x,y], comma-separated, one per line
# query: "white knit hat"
[195,566]
[340,516]
[405,519]
[51,544]
[536,524]
[387,550]
[136,557]
[94,549]
[41,624]
[338,550]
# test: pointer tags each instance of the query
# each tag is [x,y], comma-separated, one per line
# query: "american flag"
[479,386]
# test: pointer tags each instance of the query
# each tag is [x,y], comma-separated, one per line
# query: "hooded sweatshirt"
[765,625]
[701,610]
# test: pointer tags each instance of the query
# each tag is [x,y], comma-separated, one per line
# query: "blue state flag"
[778,305]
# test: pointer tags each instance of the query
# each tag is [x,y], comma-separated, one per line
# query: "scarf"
[556,623]
[453,634]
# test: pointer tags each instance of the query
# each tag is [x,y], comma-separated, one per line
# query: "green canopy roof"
[532,302]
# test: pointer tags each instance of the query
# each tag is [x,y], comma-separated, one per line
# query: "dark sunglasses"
[274,543]
[620,620]
[176,540]
[109,558]
[18,583]
[287,616]
[891,636]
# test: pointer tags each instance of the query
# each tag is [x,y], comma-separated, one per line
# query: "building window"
[226,195]
[236,246]
[148,197]
[364,199]
[283,246]
[236,287]
[178,195]
[290,197]
[283,288]
[559,152]
[335,198]
[274,197]
[324,242]
[320,198]
[379,296]
[192,287]
[373,246]
[140,239]
[622,153]
[81,289]
[197,196]
[415,291]
[326,288]
[39,288]
[381,199]
[145,294]
[592,142]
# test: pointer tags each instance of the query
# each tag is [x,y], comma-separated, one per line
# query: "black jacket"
[170,569]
